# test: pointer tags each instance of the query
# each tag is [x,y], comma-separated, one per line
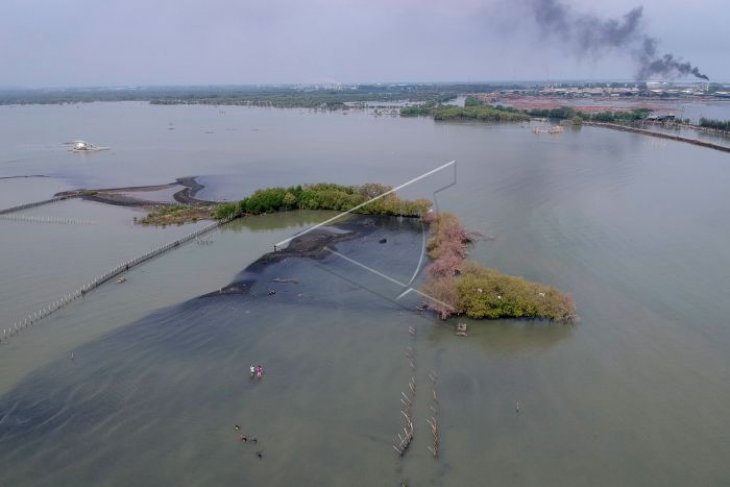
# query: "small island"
[459,286]
[456,286]
[325,196]
[464,287]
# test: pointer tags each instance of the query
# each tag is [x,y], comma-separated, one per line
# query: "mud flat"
[126,196]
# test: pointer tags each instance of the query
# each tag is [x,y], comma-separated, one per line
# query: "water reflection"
[504,337]
[284,219]
[177,380]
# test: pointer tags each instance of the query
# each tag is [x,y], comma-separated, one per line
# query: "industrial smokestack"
[588,34]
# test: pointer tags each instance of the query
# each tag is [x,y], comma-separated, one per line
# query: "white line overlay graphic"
[336,217]
[388,278]
[406,286]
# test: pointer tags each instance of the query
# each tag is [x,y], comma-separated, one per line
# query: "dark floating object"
[382,240]
[285,280]
[260,455]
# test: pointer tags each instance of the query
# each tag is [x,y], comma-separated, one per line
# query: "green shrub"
[715,124]
[485,113]
[326,196]
[464,287]
[265,200]
[226,210]
[486,293]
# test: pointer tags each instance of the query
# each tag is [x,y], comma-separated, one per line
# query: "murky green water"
[635,394]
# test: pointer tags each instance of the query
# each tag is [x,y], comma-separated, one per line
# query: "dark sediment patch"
[170,379]
[153,187]
[312,245]
[117,199]
[187,194]
[115,196]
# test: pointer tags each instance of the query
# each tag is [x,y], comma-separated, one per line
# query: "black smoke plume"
[587,34]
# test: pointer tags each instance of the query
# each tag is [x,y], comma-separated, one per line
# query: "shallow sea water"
[177,381]
[635,394]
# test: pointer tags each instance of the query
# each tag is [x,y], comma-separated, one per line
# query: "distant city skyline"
[133,43]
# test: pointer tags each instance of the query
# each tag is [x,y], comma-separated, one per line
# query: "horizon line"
[350,83]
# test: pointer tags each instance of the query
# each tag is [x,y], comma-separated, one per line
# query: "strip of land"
[662,135]
[120,196]
[483,109]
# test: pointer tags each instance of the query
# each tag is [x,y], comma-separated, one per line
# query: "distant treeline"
[473,109]
[476,109]
[326,100]
[715,124]
[313,96]
[484,113]
[420,110]
[276,96]
[324,196]
[568,113]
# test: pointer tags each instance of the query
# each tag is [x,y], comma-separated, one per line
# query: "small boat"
[83,146]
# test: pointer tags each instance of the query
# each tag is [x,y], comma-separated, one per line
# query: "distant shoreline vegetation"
[314,97]
[330,95]
[479,110]
[473,109]
[720,125]
[428,99]
[324,100]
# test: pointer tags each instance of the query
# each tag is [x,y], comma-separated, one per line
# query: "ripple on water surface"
[154,403]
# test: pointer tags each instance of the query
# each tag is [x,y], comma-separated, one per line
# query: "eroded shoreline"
[313,245]
[119,197]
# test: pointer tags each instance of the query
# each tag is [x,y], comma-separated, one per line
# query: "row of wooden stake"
[403,442]
[435,413]
[7,333]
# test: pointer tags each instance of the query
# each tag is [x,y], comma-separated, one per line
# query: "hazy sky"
[134,42]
